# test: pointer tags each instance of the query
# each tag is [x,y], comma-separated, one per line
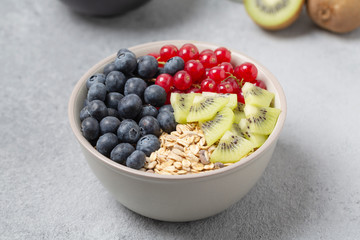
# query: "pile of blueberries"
[124,113]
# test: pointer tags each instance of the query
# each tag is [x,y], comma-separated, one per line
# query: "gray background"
[310,190]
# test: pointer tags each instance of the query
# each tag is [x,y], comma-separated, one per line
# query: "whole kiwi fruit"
[339,16]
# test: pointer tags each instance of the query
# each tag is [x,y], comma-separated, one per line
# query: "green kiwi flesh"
[205,108]
[231,148]
[256,139]
[239,112]
[235,129]
[261,120]
[181,104]
[232,98]
[256,96]
[216,127]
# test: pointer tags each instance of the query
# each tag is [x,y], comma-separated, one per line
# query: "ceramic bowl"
[182,197]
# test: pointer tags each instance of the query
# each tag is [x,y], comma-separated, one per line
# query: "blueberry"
[167,107]
[84,113]
[112,99]
[148,144]
[109,124]
[121,152]
[160,70]
[106,143]
[135,85]
[96,78]
[86,102]
[109,68]
[147,110]
[126,62]
[115,81]
[97,91]
[173,65]
[155,95]
[130,106]
[166,120]
[147,66]
[114,113]
[90,128]
[128,131]
[124,50]
[136,160]
[149,125]
[130,75]
[97,109]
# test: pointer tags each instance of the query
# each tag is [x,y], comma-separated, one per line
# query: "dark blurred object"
[103,7]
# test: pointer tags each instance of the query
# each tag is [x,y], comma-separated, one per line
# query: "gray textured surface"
[310,190]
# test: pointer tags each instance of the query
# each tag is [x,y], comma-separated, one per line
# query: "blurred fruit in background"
[274,14]
[339,16]
[103,7]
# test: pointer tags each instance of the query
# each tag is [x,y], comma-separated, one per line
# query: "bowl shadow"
[302,26]
[283,199]
[147,16]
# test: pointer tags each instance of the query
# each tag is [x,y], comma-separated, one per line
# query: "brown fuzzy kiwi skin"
[339,16]
[284,24]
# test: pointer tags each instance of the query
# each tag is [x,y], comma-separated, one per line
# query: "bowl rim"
[151,176]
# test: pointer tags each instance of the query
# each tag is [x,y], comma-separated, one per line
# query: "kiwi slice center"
[271,6]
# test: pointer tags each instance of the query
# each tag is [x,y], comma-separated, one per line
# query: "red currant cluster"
[206,71]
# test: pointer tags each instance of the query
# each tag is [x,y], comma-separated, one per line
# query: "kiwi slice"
[239,112]
[181,103]
[232,98]
[215,128]
[256,139]
[235,129]
[274,14]
[257,96]
[231,148]
[261,120]
[204,108]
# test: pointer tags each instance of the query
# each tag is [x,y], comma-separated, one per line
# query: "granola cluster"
[184,151]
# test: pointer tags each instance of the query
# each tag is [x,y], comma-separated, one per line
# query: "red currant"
[188,51]
[260,84]
[177,91]
[195,69]
[240,97]
[222,54]
[229,69]
[194,89]
[168,96]
[206,50]
[246,71]
[208,85]
[205,75]
[217,74]
[208,59]
[207,70]
[164,80]
[182,80]
[168,51]
[155,55]
[225,87]
[234,84]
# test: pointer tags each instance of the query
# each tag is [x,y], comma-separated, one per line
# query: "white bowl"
[182,197]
